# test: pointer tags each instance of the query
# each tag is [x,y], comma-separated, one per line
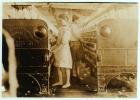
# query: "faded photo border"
[52,98]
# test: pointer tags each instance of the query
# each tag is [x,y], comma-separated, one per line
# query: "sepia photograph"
[69,49]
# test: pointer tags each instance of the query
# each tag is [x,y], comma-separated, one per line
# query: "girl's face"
[62,22]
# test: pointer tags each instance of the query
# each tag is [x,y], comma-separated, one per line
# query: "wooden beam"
[82,6]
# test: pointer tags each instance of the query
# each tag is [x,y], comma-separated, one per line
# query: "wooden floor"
[79,90]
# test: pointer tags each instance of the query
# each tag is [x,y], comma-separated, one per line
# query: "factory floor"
[78,90]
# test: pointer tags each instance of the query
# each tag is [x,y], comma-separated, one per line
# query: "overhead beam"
[82,6]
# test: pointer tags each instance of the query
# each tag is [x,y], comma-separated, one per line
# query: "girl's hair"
[74,18]
[63,16]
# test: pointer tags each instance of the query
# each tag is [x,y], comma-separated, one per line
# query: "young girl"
[62,53]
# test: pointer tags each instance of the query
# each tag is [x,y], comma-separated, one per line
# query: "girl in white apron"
[62,53]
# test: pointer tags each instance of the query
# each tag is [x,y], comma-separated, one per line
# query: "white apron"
[63,56]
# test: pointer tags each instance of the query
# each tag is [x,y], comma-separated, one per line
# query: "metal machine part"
[31,38]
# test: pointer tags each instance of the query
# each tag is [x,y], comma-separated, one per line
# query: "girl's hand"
[53,50]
